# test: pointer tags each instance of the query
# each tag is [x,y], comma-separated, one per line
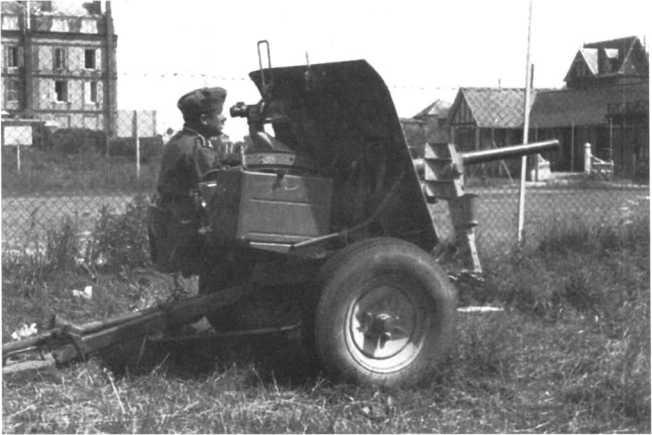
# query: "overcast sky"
[424,50]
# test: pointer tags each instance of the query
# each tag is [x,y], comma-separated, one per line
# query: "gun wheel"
[385,314]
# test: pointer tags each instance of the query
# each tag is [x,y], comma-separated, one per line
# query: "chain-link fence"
[60,162]
[550,208]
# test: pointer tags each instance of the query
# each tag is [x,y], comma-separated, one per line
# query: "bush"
[62,246]
[76,140]
[121,240]
[590,271]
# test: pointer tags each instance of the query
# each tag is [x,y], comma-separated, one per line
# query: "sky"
[424,50]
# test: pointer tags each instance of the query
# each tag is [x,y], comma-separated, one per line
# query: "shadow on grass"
[270,358]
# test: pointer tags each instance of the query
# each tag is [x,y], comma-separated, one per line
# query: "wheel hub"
[383,322]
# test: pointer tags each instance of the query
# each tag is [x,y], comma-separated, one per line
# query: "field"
[569,353]
[577,362]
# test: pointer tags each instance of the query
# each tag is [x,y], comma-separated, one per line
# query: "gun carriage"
[328,210]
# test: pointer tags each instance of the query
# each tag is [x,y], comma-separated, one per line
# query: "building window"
[9,22]
[90,122]
[89,58]
[59,25]
[12,57]
[61,90]
[88,25]
[12,90]
[90,92]
[59,58]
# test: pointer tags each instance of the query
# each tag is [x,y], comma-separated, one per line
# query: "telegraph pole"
[526,128]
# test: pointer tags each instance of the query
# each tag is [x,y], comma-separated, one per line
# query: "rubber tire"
[342,280]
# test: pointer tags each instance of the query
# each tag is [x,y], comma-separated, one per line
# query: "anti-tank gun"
[327,215]
[442,172]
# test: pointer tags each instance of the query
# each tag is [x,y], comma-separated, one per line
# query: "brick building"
[59,63]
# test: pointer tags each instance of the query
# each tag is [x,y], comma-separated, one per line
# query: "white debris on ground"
[87,293]
[24,331]
[479,309]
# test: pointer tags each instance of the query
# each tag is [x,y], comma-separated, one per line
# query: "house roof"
[618,51]
[618,43]
[590,56]
[492,107]
[438,108]
[566,107]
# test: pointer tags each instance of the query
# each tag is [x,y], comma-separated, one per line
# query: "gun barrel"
[484,156]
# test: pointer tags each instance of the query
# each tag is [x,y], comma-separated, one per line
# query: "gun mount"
[327,212]
[442,172]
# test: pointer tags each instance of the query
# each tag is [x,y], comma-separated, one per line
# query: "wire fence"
[53,185]
[60,164]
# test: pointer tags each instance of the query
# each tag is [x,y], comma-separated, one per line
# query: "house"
[482,118]
[485,118]
[414,131]
[435,117]
[429,125]
[604,103]
[59,63]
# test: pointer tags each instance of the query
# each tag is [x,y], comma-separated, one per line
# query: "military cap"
[202,100]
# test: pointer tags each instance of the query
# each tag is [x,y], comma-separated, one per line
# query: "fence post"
[587,158]
[137,139]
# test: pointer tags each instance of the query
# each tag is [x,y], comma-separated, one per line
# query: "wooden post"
[572,148]
[477,138]
[611,138]
[587,158]
[477,147]
[137,141]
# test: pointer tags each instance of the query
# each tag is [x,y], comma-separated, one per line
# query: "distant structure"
[59,63]
[435,117]
[429,125]
[605,103]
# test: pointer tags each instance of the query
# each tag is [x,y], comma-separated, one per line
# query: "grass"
[85,171]
[570,353]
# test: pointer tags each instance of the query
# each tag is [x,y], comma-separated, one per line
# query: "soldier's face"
[213,122]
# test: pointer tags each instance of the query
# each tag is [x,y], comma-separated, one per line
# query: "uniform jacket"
[186,157]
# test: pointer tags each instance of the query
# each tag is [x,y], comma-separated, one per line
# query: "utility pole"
[526,128]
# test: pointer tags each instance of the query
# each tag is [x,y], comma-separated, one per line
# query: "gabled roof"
[492,107]
[587,56]
[624,55]
[590,56]
[618,43]
[438,108]
[566,107]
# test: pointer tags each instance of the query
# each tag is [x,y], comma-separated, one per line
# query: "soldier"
[189,153]
[186,158]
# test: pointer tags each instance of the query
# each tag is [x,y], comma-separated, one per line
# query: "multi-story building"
[59,64]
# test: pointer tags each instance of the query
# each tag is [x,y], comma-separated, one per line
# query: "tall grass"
[570,353]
